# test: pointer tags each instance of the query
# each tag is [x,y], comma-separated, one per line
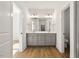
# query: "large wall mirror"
[41,24]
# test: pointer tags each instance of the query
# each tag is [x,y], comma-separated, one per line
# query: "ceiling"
[41,7]
[41,4]
[39,11]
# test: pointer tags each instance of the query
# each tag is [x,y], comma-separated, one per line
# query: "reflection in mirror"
[41,24]
[42,27]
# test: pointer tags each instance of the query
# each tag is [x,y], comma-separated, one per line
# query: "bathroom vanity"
[41,39]
[41,31]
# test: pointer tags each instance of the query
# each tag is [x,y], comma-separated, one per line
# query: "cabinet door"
[38,39]
[35,39]
[53,39]
[47,39]
[44,39]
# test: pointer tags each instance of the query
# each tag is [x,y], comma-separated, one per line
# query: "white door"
[21,27]
[62,30]
[5,29]
[23,44]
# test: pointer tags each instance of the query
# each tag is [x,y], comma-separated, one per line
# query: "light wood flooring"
[41,52]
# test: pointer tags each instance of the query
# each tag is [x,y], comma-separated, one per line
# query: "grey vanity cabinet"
[41,39]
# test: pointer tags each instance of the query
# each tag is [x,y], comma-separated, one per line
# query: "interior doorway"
[67,31]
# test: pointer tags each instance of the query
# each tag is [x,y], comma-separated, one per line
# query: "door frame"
[62,25]
[72,6]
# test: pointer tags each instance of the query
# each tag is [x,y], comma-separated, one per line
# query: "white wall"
[72,29]
[28,21]
[5,29]
[77,29]
[53,23]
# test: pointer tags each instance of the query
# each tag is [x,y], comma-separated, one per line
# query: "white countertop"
[41,32]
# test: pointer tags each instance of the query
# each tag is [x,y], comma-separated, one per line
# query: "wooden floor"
[41,52]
